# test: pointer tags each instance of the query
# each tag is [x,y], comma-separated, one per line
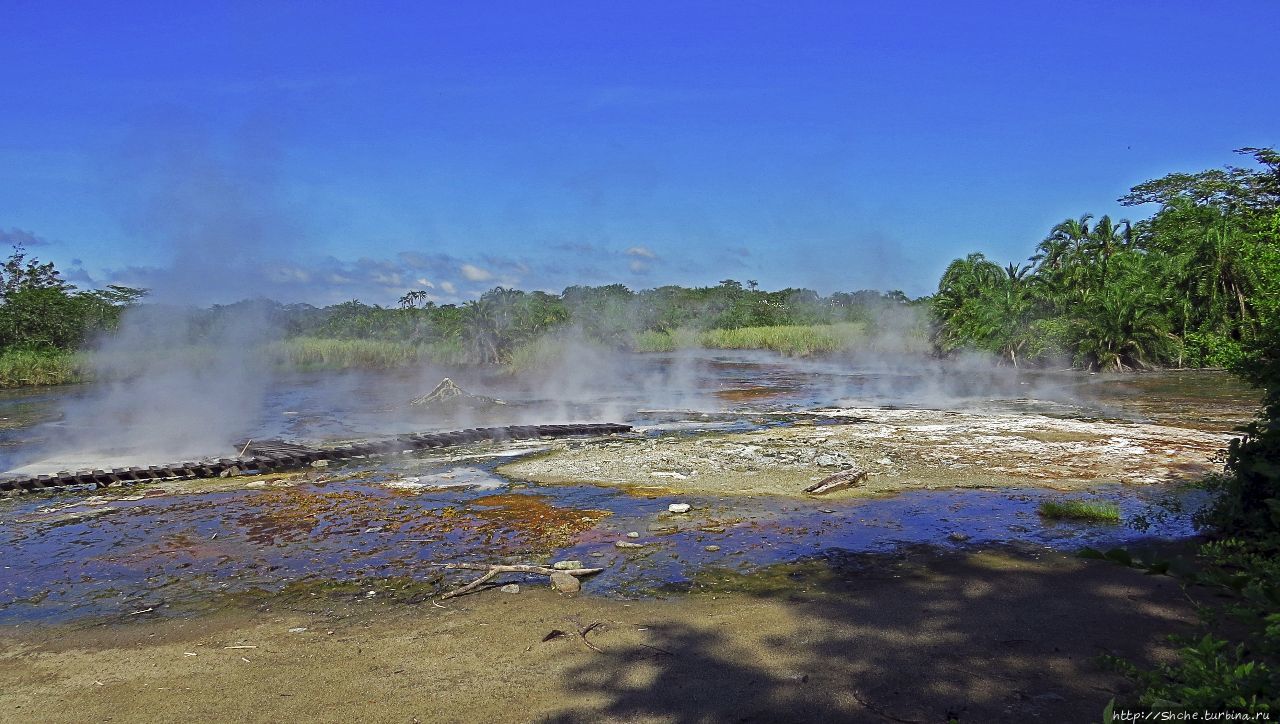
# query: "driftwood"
[447,394]
[839,481]
[493,570]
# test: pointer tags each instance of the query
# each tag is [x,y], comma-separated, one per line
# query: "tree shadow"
[992,635]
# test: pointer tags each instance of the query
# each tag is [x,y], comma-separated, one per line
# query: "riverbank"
[998,635]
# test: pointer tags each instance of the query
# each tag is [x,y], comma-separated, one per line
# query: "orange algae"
[532,514]
[292,514]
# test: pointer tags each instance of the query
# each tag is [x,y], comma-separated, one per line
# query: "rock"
[627,544]
[512,588]
[679,507]
[957,537]
[711,549]
[298,629]
[596,554]
[567,565]
[229,472]
[633,534]
[320,464]
[565,583]
[663,528]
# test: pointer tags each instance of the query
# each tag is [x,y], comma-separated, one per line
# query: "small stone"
[957,537]
[679,507]
[297,629]
[510,588]
[596,554]
[711,549]
[320,464]
[663,528]
[627,544]
[565,583]
[567,565]
[633,534]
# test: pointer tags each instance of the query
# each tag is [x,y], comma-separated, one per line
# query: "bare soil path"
[997,635]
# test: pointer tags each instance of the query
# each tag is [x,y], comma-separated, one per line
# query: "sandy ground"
[900,449]
[989,636]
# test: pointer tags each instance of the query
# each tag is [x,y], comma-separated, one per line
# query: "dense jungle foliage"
[43,318]
[1193,285]
[1234,662]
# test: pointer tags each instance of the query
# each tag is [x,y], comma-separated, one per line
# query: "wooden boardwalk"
[275,456]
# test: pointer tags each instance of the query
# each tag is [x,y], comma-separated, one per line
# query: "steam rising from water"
[176,382]
[172,388]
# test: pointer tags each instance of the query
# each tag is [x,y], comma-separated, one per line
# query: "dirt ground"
[998,635]
[900,450]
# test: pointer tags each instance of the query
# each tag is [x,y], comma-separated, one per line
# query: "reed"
[1089,511]
[318,353]
[25,368]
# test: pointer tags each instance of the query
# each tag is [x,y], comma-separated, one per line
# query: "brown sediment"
[1004,636]
[900,449]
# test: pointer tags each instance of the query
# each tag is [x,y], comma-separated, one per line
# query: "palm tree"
[1124,326]
[958,289]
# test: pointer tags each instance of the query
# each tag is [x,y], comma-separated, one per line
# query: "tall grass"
[318,353]
[24,368]
[1093,512]
[792,340]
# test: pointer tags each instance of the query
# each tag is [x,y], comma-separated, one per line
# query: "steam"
[178,382]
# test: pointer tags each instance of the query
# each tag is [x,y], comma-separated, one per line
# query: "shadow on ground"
[991,636]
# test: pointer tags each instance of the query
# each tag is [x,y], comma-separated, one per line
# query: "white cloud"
[641,252]
[448,288]
[475,273]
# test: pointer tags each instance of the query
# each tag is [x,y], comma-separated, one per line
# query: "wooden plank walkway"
[274,455]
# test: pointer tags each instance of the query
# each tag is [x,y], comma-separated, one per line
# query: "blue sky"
[321,151]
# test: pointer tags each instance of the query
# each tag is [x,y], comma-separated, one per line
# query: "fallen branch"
[499,568]
[470,586]
[491,570]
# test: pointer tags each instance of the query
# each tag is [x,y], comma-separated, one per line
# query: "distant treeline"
[1191,286]
[44,320]
[495,328]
